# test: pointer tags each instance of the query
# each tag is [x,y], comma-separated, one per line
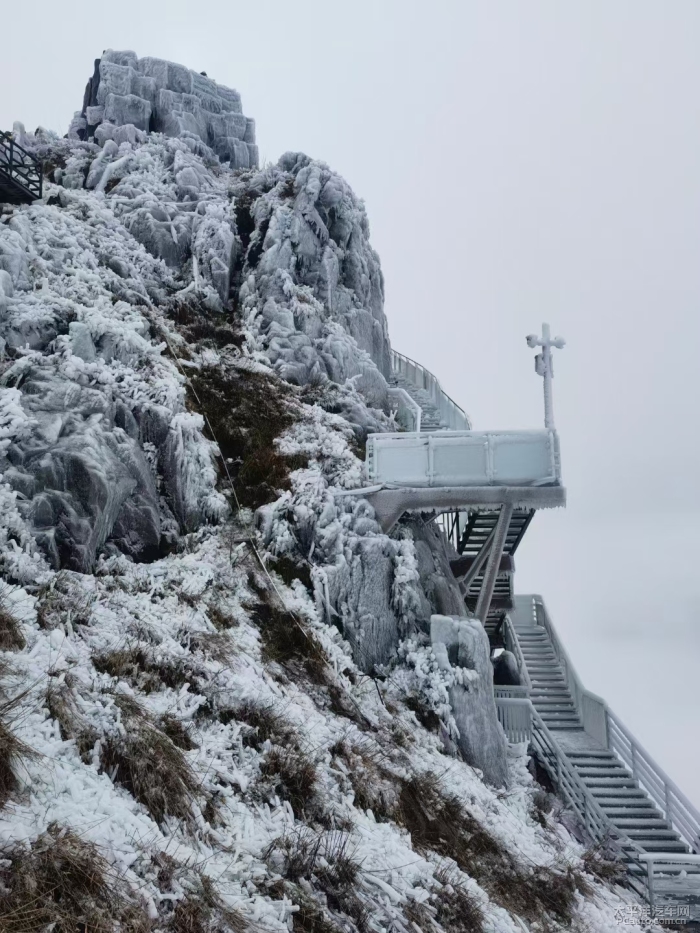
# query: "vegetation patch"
[286,640]
[64,599]
[150,766]
[292,776]
[200,325]
[141,668]
[11,637]
[325,864]
[426,716]
[59,702]
[247,411]
[63,883]
[12,751]
[265,723]
[291,570]
[439,823]
[451,907]
[203,911]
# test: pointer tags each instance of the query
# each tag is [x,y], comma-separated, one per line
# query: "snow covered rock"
[462,649]
[151,94]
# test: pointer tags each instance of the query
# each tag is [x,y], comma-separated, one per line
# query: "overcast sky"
[520,162]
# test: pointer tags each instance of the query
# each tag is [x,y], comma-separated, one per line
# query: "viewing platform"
[21,177]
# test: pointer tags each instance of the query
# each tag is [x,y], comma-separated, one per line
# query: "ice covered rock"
[461,647]
[311,279]
[153,94]
[505,669]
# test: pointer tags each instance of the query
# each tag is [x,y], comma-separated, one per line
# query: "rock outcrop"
[149,94]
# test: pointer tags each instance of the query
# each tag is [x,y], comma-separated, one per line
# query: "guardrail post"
[668,801]
[650,881]
[634,761]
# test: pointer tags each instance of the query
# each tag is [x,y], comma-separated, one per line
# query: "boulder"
[461,647]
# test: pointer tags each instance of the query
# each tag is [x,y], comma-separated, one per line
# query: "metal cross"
[543,367]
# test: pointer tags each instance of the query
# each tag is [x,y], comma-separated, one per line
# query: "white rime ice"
[142,595]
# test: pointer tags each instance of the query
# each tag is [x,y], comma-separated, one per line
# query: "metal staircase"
[613,784]
[626,805]
[21,178]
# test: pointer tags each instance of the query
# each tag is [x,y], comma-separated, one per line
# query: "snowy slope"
[216,677]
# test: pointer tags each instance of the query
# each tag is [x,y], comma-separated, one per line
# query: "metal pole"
[547,377]
[499,538]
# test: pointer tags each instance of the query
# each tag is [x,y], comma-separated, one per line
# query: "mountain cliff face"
[221,708]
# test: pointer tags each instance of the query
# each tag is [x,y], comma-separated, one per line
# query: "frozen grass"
[292,776]
[286,640]
[148,764]
[438,822]
[247,412]
[63,883]
[143,669]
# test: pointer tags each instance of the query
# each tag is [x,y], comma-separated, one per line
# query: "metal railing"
[675,806]
[454,417]
[521,723]
[20,166]
[465,458]
[602,724]
[512,644]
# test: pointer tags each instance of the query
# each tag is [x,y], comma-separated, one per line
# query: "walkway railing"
[451,414]
[516,715]
[21,167]
[603,725]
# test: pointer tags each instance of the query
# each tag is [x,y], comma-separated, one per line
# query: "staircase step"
[609,781]
[628,793]
[662,845]
[628,823]
[635,811]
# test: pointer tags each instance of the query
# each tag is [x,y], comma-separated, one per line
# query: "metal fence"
[20,166]
[454,417]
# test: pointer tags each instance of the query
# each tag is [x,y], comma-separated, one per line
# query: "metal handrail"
[452,414]
[514,714]
[20,165]
[601,723]
[677,809]
[512,644]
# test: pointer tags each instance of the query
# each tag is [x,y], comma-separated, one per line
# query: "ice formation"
[216,672]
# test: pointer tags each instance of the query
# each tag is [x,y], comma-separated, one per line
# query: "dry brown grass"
[292,776]
[286,640]
[148,764]
[64,599]
[11,637]
[427,717]
[59,702]
[265,723]
[602,861]
[203,911]
[452,907]
[291,570]
[141,667]
[63,883]
[325,864]
[439,823]
[247,411]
